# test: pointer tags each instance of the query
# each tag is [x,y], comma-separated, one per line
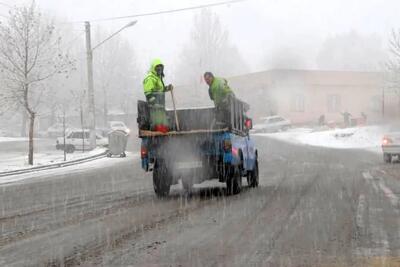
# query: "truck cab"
[201,150]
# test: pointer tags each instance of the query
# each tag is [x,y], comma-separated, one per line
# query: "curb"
[54,165]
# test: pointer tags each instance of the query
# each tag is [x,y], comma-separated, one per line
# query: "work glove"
[169,87]
[225,101]
[151,99]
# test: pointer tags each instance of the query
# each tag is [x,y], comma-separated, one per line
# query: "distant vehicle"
[79,140]
[118,126]
[391,145]
[272,124]
[57,130]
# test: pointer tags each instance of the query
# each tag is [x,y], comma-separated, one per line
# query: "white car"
[391,145]
[272,124]
[118,126]
[79,140]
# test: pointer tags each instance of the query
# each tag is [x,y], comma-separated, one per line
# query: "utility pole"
[92,115]
[64,148]
[383,102]
[89,52]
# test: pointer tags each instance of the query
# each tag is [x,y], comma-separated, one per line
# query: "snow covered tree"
[209,49]
[392,81]
[115,71]
[30,55]
[351,52]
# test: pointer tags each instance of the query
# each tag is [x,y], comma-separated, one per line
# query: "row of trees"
[43,69]
[30,55]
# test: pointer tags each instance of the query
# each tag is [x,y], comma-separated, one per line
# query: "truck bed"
[147,133]
[194,120]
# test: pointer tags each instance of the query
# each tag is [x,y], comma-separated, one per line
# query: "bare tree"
[209,49]
[29,55]
[392,78]
[115,71]
[351,51]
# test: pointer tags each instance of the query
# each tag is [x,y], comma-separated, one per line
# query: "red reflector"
[386,141]
[235,151]
[143,152]
[248,124]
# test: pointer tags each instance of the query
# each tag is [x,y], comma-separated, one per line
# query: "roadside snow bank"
[17,161]
[368,137]
[13,139]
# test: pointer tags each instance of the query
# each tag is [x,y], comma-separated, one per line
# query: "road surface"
[314,207]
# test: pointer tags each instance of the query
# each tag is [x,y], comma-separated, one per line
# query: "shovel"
[175,112]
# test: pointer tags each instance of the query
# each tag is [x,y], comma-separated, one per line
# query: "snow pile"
[369,137]
[17,161]
[13,139]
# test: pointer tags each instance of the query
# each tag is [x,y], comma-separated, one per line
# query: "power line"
[164,11]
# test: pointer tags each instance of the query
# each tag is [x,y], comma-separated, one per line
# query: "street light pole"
[89,52]
[92,114]
[383,102]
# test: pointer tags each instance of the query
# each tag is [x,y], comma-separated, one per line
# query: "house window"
[334,104]
[298,103]
[76,135]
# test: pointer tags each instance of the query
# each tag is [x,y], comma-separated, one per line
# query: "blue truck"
[201,149]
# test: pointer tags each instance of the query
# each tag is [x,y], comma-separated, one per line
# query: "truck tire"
[187,184]
[70,149]
[234,182]
[161,179]
[387,158]
[253,176]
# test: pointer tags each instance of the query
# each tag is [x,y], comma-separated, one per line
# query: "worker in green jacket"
[154,90]
[220,92]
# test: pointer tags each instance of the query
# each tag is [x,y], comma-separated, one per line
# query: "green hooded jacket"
[219,90]
[153,83]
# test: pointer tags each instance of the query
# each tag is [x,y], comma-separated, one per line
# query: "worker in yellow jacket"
[154,90]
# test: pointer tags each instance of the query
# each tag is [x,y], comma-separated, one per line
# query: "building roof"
[314,77]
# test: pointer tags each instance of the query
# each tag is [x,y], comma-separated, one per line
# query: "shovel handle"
[175,112]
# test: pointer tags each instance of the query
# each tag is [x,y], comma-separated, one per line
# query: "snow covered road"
[315,207]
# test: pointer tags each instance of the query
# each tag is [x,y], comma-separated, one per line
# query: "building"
[304,95]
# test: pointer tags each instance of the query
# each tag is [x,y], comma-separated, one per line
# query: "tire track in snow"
[380,183]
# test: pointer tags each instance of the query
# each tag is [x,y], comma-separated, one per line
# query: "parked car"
[118,125]
[79,140]
[391,144]
[57,130]
[272,124]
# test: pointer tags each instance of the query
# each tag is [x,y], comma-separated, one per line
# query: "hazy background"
[267,33]
[256,36]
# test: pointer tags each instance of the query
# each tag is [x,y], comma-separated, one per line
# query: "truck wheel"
[234,182]
[161,179]
[387,158]
[253,176]
[70,149]
[187,184]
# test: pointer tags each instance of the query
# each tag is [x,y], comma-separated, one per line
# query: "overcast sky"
[257,27]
